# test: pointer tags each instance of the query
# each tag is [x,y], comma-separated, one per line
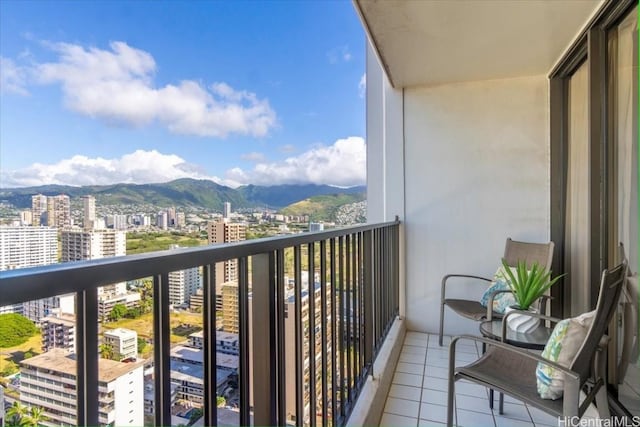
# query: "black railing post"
[209,350]
[264,340]
[368,298]
[162,349]
[87,357]
[244,327]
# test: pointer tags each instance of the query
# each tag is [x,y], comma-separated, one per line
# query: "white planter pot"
[521,322]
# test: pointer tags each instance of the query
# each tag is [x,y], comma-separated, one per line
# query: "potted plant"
[527,286]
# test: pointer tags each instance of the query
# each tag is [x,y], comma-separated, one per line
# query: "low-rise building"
[49,381]
[123,342]
[58,331]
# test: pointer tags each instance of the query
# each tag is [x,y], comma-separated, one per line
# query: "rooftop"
[59,360]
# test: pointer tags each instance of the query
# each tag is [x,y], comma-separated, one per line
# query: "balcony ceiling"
[430,42]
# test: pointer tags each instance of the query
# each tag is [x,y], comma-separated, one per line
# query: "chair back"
[515,251]
[611,286]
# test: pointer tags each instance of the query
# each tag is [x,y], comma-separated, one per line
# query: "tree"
[106,351]
[220,401]
[15,329]
[16,414]
[142,344]
[36,416]
[117,312]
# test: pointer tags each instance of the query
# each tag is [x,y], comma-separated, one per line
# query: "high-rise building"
[226,232]
[183,284]
[26,218]
[78,245]
[309,354]
[181,219]
[89,217]
[230,307]
[59,211]
[38,309]
[171,217]
[123,342]
[39,209]
[49,381]
[226,212]
[59,331]
[22,247]
[162,220]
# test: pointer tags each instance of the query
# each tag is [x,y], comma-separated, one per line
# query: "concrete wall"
[385,155]
[476,171]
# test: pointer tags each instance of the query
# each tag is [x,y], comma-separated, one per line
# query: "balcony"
[358,271]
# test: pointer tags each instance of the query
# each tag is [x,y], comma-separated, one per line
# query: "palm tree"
[16,415]
[36,416]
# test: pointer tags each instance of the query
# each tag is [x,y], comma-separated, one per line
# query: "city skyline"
[239,93]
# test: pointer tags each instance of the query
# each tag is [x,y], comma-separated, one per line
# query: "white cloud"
[139,167]
[253,157]
[341,164]
[339,54]
[362,86]
[116,86]
[13,78]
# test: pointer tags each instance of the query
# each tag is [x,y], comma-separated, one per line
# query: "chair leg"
[602,403]
[441,324]
[450,395]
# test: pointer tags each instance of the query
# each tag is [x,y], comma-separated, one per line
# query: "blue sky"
[242,92]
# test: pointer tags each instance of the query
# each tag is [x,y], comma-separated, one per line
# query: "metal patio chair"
[512,370]
[514,251]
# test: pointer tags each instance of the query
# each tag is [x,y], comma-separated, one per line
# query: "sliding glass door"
[577,241]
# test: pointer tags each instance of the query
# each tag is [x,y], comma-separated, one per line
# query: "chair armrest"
[526,313]
[510,348]
[450,276]
[490,302]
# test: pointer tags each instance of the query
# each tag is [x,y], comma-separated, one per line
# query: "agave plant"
[528,284]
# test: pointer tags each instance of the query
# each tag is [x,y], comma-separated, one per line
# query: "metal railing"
[349,304]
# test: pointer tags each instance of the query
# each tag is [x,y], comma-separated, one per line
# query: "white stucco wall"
[476,172]
[385,156]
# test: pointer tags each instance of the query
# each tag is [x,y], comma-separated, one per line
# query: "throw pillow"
[502,300]
[563,345]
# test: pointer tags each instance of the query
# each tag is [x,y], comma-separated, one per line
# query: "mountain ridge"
[182,192]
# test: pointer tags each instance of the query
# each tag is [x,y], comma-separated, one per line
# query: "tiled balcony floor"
[418,394]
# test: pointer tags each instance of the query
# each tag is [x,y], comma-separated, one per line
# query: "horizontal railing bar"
[28,284]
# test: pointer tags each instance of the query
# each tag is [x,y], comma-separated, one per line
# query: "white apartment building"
[89,211]
[116,294]
[187,371]
[124,343]
[28,246]
[183,284]
[58,331]
[49,381]
[226,342]
[78,244]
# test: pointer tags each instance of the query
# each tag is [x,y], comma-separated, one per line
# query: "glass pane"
[577,228]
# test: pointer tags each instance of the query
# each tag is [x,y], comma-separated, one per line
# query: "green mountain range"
[186,192]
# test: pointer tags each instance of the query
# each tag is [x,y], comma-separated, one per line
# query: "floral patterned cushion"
[563,345]
[502,300]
